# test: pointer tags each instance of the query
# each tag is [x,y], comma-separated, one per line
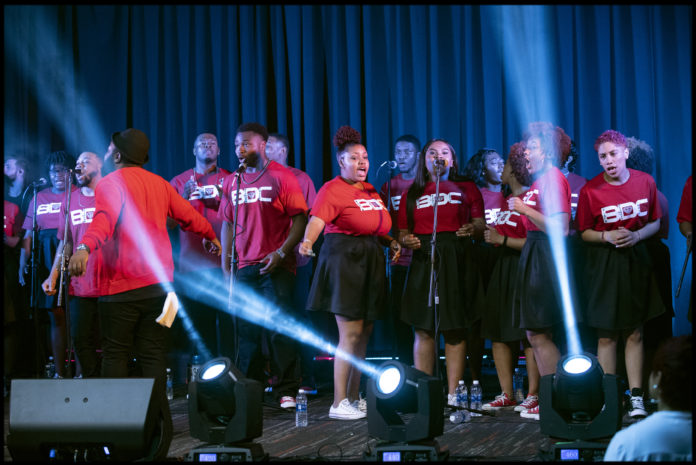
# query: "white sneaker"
[452,400]
[345,411]
[360,404]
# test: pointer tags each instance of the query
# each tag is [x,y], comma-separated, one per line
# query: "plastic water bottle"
[476,398]
[195,367]
[301,409]
[461,395]
[460,416]
[50,368]
[170,385]
[517,386]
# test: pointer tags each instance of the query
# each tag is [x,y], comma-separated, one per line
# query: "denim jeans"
[276,288]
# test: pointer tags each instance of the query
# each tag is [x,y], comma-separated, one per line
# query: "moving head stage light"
[225,410]
[402,390]
[579,402]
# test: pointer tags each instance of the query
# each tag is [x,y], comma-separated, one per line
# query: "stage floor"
[503,437]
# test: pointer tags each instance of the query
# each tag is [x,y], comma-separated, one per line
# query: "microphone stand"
[234,264]
[34,285]
[433,297]
[64,281]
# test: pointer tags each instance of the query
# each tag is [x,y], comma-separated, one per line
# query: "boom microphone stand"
[235,260]
[433,297]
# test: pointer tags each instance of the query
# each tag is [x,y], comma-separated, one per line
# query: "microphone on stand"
[241,169]
[40,183]
[440,165]
[391,164]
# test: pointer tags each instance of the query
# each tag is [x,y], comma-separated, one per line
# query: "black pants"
[276,291]
[84,326]
[403,334]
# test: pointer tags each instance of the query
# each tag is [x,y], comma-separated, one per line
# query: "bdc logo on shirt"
[48,208]
[250,195]
[505,217]
[81,216]
[427,201]
[528,197]
[204,192]
[396,201]
[491,215]
[623,211]
[369,204]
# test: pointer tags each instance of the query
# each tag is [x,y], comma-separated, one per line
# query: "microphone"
[391,164]
[40,183]
[241,168]
[439,164]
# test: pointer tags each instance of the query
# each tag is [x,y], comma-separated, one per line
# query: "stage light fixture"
[579,402]
[405,412]
[225,411]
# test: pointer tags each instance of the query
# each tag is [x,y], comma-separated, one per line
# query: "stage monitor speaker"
[86,420]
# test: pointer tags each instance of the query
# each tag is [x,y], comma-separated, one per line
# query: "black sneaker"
[637,409]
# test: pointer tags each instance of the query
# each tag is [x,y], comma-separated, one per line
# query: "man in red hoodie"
[130,228]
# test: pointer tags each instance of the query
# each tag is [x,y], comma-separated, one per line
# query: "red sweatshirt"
[130,226]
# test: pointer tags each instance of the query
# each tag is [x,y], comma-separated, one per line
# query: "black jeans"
[276,288]
[84,325]
[130,327]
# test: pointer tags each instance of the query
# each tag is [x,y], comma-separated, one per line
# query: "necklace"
[263,170]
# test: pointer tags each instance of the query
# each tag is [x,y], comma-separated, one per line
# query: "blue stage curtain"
[474,75]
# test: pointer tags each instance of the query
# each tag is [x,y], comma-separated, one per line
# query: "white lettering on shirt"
[48,208]
[396,201]
[623,211]
[251,195]
[491,215]
[81,216]
[528,197]
[427,201]
[506,217]
[369,204]
[205,192]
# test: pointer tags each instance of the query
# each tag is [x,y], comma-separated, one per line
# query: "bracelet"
[505,241]
[281,253]
[83,247]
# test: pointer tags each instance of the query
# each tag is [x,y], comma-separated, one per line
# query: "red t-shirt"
[549,195]
[458,202]
[12,220]
[348,210]
[510,223]
[309,192]
[47,210]
[663,232]
[268,200]
[205,199]
[81,215]
[493,202]
[130,226]
[686,212]
[397,186]
[605,207]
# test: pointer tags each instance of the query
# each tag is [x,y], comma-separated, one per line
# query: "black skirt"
[350,278]
[621,286]
[497,322]
[459,285]
[537,302]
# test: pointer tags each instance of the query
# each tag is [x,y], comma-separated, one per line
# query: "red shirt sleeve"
[685,212]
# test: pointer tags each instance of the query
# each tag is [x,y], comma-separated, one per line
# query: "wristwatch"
[280,253]
[83,247]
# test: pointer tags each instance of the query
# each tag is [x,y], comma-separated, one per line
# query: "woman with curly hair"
[618,213]
[350,278]
[546,210]
[48,218]
[508,234]
[458,282]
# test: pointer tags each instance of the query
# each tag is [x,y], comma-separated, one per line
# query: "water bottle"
[461,395]
[460,416]
[195,367]
[518,386]
[170,385]
[50,368]
[476,398]
[301,409]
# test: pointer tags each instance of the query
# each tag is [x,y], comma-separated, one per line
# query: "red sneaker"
[532,413]
[529,402]
[501,401]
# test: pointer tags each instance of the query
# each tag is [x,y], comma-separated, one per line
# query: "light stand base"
[421,451]
[579,451]
[239,452]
